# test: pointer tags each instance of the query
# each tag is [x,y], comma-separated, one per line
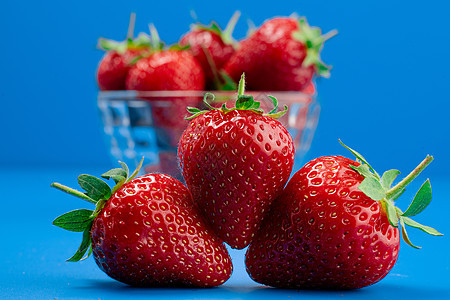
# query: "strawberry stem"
[154,35]
[130,33]
[402,184]
[241,88]
[228,32]
[329,35]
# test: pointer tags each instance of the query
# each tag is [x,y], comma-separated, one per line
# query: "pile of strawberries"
[333,225]
[282,55]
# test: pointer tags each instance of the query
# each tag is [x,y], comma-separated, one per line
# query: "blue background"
[387,97]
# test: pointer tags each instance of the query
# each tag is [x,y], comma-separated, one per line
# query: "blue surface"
[33,252]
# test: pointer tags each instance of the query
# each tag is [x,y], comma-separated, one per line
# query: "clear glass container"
[149,124]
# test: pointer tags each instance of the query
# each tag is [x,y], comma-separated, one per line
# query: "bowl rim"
[131,95]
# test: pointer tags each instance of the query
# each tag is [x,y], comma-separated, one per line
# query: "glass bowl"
[149,124]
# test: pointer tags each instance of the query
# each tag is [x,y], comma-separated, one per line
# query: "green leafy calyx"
[97,192]
[221,80]
[380,189]
[243,102]
[313,40]
[227,34]
[143,41]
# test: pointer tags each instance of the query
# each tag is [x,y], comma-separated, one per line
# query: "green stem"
[329,35]
[130,33]
[241,88]
[228,32]
[154,36]
[402,184]
[73,192]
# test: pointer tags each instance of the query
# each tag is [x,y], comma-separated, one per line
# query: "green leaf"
[421,200]
[177,47]
[193,110]
[363,170]
[372,188]
[195,115]
[275,104]
[388,178]
[224,108]
[313,39]
[244,102]
[405,235]
[138,168]
[85,244]
[100,204]
[213,27]
[125,168]
[227,83]
[322,69]
[89,253]
[108,45]
[255,105]
[75,220]
[115,174]
[73,192]
[396,196]
[96,188]
[391,211]
[142,40]
[427,229]
[361,158]
[279,114]
[211,97]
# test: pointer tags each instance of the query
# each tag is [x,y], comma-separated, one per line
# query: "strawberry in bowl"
[282,55]
[212,47]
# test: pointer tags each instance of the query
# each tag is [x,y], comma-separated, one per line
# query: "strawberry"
[114,66]
[212,48]
[163,69]
[335,226]
[282,55]
[235,162]
[146,231]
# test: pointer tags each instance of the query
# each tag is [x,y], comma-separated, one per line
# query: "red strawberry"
[166,70]
[235,162]
[173,69]
[282,55]
[310,89]
[335,226]
[212,48]
[115,65]
[146,231]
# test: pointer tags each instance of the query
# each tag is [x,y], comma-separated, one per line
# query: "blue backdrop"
[387,96]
